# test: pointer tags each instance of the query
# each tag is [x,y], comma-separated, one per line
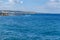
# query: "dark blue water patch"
[30,27]
[52,33]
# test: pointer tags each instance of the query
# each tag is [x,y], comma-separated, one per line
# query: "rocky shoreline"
[8,12]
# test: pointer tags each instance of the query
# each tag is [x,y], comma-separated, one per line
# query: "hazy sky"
[51,6]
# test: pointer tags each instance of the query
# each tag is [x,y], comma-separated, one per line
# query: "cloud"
[48,7]
[41,9]
[21,2]
[11,1]
[52,0]
[8,5]
[52,6]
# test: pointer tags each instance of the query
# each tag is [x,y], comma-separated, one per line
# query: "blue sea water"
[30,27]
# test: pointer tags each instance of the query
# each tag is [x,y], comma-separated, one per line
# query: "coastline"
[14,13]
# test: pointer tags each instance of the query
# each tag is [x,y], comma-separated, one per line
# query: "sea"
[30,27]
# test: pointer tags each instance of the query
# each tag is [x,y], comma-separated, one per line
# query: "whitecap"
[27,15]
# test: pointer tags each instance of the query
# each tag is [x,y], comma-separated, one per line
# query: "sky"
[42,6]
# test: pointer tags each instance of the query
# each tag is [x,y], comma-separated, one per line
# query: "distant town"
[10,13]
